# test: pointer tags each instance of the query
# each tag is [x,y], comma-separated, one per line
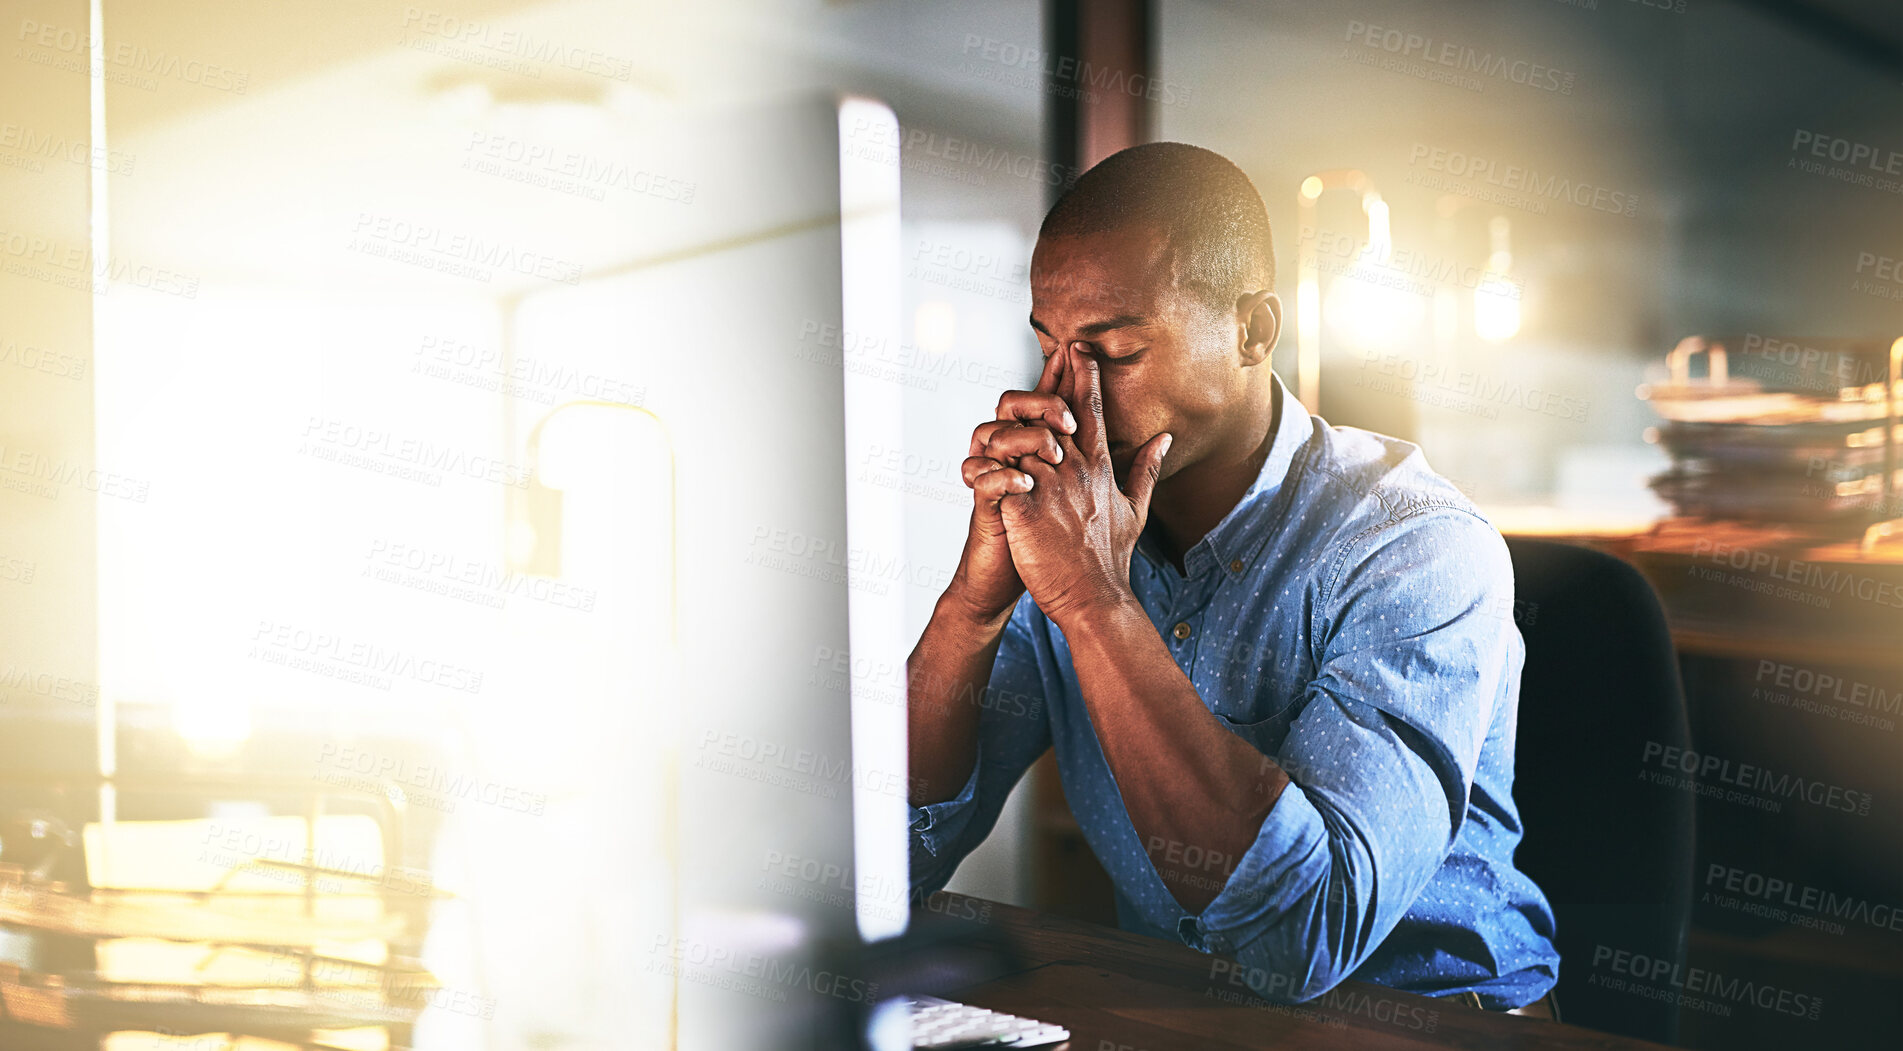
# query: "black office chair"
[1612,852]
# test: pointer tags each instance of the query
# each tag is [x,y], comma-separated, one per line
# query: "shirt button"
[1235,566]
[1181,630]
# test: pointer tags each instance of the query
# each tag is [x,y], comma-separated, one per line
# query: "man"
[1276,658]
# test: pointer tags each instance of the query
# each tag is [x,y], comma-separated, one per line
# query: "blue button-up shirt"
[1352,618]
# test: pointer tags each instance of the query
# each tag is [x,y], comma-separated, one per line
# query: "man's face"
[1168,361]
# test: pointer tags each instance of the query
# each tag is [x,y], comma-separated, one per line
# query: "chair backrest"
[1613,852]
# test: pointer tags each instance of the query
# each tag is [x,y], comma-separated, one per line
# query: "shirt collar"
[1233,543]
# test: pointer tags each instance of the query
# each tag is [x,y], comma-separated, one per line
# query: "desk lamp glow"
[1308,300]
[1496,295]
[1892,523]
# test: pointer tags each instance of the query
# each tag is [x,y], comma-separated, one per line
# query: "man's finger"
[1013,443]
[1068,447]
[1086,385]
[1144,471]
[1038,469]
[976,467]
[981,434]
[1053,374]
[996,485]
[1025,406]
[986,492]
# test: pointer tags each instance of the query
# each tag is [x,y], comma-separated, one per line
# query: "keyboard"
[943,1024]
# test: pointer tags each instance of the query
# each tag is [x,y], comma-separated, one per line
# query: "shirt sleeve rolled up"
[1381,758]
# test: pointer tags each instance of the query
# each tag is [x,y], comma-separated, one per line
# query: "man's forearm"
[1196,793]
[946,677]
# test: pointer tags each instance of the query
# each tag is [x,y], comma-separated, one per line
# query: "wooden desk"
[1117,991]
[1742,592]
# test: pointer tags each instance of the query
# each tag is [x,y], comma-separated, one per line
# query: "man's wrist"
[1100,616]
[966,616]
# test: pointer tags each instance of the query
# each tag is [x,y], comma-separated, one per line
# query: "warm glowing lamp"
[1308,301]
[1496,295]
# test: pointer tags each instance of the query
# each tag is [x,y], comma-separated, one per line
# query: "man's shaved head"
[1157,264]
[1207,210]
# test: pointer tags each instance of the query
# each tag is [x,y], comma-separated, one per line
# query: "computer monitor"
[789,692]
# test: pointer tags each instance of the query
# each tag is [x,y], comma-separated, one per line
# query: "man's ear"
[1259,321]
